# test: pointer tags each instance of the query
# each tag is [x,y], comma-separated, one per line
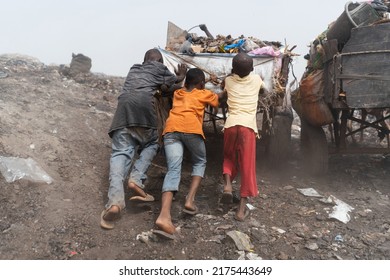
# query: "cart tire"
[279,145]
[314,149]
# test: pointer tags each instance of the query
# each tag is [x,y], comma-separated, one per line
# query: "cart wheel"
[279,144]
[314,148]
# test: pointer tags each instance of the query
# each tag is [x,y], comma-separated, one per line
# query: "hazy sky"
[116,33]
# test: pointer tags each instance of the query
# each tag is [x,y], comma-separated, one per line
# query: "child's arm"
[181,72]
[180,75]
[222,96]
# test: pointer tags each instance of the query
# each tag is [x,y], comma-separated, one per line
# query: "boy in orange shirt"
[184,128]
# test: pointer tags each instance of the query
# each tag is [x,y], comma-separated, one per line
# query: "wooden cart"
[356,84]
[274,113]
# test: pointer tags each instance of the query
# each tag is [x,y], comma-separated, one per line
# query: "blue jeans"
[125,143]
[174,144]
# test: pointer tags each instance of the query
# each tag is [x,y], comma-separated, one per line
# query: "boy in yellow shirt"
[240,131]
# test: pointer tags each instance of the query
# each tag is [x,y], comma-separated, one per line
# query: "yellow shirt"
[187,110]
[243,95]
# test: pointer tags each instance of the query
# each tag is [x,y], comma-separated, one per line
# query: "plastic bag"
[13,168]
[267,50]
[312,104]
[249,45]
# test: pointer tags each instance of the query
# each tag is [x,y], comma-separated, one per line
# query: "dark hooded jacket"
[136,101]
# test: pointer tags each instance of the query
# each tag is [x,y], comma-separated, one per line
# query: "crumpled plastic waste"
[14,168]
[236,45]
[267,50]
[341,211]
[309,192]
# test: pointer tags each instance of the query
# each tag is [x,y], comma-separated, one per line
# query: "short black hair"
[194,76]
[242,64]
[153,55]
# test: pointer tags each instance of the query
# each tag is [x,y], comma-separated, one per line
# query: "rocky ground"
[61,123]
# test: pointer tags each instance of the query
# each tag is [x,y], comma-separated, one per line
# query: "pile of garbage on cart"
[184,41]
[351,36]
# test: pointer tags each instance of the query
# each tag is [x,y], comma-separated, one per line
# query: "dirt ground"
[62,124]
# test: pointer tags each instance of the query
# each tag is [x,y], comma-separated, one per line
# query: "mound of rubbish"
[179,40]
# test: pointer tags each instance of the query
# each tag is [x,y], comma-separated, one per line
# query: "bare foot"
[242,211]
[136,189]
[190,205]
[112,213]
[165,225]
[227,184]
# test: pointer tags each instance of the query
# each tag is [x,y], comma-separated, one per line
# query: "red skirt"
[239,155]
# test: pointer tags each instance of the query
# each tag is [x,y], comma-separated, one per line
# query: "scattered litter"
[250,206]
[241,255]
[339,238]
[340,211]
[13,168]
[309,192]
[281,231]
[242,241]
[312,246]
[328,200]
[144,236]
[253,256]
[287,188]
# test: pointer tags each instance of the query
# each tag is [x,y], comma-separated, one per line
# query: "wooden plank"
[365,77]
[368,94]
[328,82]
[374,37]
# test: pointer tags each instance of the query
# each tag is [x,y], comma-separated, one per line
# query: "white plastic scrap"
[279,230]
[340,211]
[14,168]
[309,192]
[253,256]
[250,207]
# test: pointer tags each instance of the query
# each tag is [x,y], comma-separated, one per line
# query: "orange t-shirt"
[187,110]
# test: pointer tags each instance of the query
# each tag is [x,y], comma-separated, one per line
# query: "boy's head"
[195,78]
[153,55]
[242,64]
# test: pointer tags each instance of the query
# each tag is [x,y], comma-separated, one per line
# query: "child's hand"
[222,87]
[213,79]
[181,72]
[164,88]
